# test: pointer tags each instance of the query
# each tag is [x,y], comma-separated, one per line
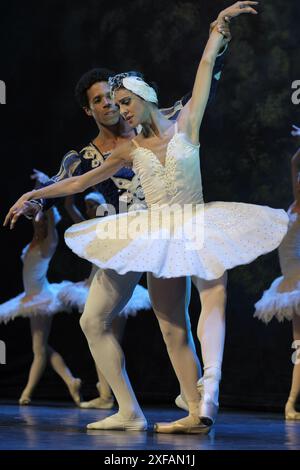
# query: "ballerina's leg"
[58,364]
[170,303]
[290,411]
[40,328]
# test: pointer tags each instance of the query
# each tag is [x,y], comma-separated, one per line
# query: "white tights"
[211,330]
[108,295]
[118,326]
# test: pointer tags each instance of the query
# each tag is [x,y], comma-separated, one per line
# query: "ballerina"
[40,301]
[282,299]
[75,296]
[233,230]
[92,93]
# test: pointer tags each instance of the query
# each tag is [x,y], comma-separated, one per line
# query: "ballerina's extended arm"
[76,184]
[191,116]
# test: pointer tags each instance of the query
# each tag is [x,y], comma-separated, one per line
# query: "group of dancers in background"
[41,300]
[147,160]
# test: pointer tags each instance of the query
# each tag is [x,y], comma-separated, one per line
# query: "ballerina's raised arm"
[191,116]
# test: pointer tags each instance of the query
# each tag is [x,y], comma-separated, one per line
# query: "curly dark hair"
[87,80]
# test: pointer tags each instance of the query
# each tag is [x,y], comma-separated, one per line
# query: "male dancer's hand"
[39,176]
[296,131]
[21,207]
[223,28]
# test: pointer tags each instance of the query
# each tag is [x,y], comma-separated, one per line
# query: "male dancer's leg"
[211,334]
[108,295]
[106,400]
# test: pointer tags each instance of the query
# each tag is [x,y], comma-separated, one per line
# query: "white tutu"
[139,301]
[39,296]
[281,300]
[45,302]
[233,234]
[74,295]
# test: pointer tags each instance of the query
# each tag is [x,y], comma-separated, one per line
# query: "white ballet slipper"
[98,403]
[117,422]
[181,402]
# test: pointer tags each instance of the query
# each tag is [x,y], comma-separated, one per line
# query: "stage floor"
[59,426]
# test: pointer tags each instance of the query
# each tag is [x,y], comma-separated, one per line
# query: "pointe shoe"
[23,401]
[74,389]
[208,408]
[182,426]
[117,422]
[290,411]
[98,403]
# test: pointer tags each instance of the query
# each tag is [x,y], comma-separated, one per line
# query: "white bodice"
[289,250]
[176,182]
[35,269]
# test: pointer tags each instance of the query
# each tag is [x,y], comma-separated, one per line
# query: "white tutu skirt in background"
[74,295]
[233,234]
[139,301]
[44,303]
[281,300]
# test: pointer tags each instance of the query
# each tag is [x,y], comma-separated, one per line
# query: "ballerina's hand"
[22,207]
[296,131]
[238,9]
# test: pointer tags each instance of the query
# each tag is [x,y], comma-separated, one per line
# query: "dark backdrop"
[246,149]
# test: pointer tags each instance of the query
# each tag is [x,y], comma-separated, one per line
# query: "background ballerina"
[40,301]
[282,299]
